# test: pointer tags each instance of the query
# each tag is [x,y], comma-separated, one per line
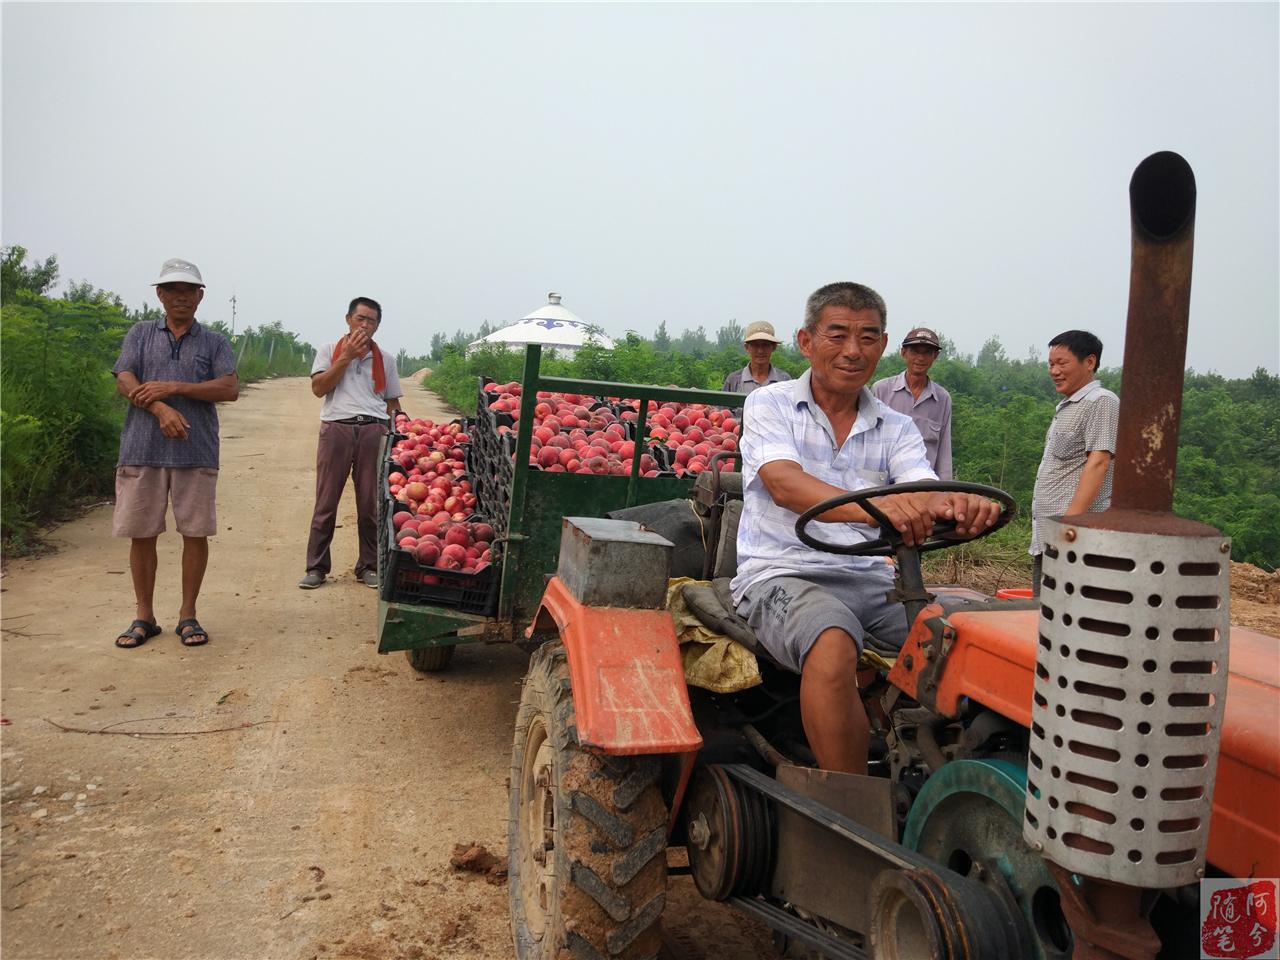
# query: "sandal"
[149,629]
[194,635]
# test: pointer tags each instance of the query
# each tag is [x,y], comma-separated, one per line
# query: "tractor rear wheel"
[430,659]
[587,834]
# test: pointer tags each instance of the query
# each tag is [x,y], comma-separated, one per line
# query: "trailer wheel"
[587,834]
[430,659]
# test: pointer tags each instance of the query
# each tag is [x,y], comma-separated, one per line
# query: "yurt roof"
[550,325]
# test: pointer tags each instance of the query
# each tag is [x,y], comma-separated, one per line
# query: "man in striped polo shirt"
[1075,471]
[803,442]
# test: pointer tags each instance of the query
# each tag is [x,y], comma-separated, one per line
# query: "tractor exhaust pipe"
[1162,206]
[1131,670]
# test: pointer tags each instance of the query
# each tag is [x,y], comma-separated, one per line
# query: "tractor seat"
[705,487]
[712,603]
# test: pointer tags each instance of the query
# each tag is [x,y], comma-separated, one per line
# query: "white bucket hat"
[179,271]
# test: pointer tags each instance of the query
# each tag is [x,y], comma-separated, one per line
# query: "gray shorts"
[788,614]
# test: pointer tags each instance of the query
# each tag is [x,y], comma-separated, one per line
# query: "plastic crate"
[401,579]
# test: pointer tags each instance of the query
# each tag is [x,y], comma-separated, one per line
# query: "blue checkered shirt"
[150,352]
[783,422]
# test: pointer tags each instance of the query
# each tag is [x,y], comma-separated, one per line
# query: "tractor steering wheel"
[890,540]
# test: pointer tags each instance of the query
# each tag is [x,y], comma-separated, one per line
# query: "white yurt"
[552,325]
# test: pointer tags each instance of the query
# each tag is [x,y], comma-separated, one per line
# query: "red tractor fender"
[629,692]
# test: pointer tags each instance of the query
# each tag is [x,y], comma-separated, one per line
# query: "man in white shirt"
[361,391]
[804,442]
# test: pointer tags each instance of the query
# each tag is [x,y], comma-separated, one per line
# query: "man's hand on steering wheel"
[971,512]
[907,513]
[912,514]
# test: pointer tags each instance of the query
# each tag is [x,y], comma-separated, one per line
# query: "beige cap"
[760,330]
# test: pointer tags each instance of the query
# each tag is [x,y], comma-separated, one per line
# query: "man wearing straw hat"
[759,341]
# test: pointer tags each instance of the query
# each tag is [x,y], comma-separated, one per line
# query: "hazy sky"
[678,162]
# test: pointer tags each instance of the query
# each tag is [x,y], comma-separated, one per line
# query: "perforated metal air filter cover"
[1131,681]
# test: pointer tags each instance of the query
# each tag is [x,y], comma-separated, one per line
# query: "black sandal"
[149,629]
[189,635]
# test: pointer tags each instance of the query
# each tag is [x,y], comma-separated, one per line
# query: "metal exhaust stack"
[1131,668]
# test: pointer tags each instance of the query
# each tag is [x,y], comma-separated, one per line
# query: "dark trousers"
[346,450]
[1037,574]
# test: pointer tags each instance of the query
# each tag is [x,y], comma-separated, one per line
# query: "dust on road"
[321,824]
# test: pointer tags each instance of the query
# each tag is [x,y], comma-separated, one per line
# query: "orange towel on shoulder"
[379,374]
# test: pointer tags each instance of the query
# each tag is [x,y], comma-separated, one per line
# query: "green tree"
[82,291]
[438,341]
[693,341]
[662,339]
[992,354]
[16,276]
[729,335]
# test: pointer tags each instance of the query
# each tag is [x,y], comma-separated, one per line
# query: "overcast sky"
[677,162]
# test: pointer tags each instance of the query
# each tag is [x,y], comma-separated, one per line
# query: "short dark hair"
[365,302]
[852,296]
[1081,343]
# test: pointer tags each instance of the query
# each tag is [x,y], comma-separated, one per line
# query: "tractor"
[1043,771]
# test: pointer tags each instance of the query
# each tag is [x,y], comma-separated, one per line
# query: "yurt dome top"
[552,325]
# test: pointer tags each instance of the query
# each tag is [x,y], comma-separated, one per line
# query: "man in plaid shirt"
[804,442]
[1075,471]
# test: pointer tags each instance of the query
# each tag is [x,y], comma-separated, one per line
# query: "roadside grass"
[987,565]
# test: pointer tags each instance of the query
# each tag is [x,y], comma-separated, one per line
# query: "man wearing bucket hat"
[759,341]
[172,371]
[924,401]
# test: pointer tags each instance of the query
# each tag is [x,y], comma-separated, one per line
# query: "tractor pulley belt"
[917,900]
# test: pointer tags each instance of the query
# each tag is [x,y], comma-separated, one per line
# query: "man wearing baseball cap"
[759,341]
[924,401]
[172,371]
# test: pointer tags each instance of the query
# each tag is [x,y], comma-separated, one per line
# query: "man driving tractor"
[804,442]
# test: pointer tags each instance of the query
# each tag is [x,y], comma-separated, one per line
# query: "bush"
[61,413]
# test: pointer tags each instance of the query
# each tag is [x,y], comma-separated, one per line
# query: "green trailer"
[530,546]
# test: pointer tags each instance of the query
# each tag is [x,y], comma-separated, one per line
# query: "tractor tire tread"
[612,827]
[636,781]
[635,859]
[580,948]
[590,883]
[644,918]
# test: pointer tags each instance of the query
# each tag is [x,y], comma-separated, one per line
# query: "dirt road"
[321,823]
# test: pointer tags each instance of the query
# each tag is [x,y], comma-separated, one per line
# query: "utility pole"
[233,314]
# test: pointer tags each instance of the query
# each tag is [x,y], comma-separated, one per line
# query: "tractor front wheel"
[586,840]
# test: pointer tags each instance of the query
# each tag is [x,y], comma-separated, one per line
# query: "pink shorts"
[143,494]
